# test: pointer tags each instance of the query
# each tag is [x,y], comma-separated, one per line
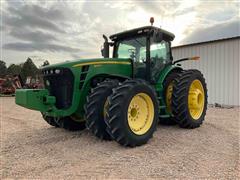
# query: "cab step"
[162,107]
[164,116]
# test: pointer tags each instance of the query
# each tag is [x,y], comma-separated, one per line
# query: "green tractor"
[124,97]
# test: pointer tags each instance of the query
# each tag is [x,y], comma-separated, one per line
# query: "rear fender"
[163,75]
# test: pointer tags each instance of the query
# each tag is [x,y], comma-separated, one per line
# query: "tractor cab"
[148,47]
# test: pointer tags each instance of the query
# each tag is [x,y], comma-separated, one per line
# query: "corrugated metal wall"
[219,62]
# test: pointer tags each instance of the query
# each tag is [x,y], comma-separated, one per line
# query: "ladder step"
[162,107]
[164,116]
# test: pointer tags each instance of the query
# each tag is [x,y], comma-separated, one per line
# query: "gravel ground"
[30,148]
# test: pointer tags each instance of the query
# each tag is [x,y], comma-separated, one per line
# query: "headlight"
[57,71]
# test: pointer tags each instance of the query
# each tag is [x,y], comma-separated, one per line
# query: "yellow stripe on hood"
[101,62]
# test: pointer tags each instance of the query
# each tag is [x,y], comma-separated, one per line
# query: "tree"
[29,69]
[14,69]
[3,69]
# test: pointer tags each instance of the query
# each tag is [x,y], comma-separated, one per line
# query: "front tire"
[132,115]
[69,124]
[50,120]
[189,102]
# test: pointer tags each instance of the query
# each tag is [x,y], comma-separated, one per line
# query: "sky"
[66,30]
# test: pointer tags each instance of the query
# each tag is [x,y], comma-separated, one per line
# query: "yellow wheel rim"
[140,113]
[196,99]
[169,97]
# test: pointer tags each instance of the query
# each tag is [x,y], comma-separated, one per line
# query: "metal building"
[219,62]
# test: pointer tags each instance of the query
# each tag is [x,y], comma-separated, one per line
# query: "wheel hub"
[196,99]
[134,112]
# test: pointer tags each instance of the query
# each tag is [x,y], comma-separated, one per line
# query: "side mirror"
[102,51]
[105,48]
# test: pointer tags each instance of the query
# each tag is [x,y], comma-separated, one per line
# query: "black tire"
[169,79]
[180,99]
[50,120]
[69,124]
[117,114]
[94,108]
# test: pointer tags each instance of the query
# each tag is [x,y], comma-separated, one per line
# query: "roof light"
[152,20]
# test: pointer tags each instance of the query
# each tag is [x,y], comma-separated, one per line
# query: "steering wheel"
[132,53]
[153,62]
[143,60]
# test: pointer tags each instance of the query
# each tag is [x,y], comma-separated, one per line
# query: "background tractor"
[9,84]
[123,97]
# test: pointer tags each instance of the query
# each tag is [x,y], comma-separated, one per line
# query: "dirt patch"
[30,148]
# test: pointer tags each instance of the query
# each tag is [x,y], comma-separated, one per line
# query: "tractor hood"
[67,84]
[82,62]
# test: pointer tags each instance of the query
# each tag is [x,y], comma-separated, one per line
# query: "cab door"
[160,56]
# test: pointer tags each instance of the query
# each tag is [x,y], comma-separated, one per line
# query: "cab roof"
[142,31]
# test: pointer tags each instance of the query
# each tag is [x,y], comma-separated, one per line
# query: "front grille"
[59,82]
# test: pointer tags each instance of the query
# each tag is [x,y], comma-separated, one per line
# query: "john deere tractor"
[124,97]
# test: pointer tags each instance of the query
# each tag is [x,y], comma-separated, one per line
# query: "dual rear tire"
[186,98]
[189,99]
[167,95]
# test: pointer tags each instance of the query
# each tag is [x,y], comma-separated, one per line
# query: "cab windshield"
[133,48]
